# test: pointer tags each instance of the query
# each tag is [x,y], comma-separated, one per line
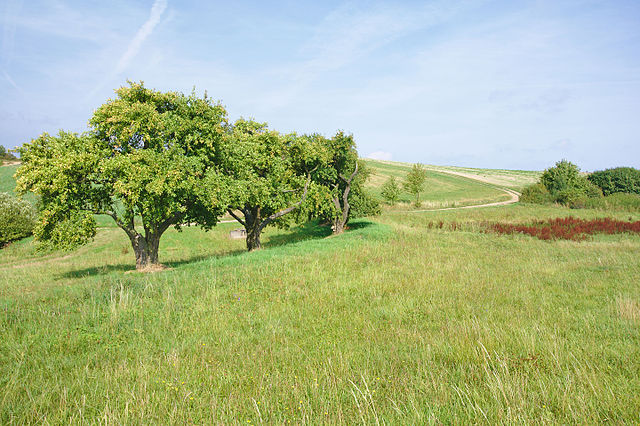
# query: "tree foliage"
[148,155]
[263,178]
[415,180]
[619,179]
[337,161]
[567,186]
[151,160]
[391,190]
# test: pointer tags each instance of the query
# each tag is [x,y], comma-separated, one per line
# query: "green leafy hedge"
[620,179]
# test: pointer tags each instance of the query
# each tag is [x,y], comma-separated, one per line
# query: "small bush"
[563,184]
[363,204]
[536,194]
[578,197]
[620,179]
[562,177]
[17,218]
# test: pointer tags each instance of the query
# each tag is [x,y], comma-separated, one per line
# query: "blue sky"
[498,84]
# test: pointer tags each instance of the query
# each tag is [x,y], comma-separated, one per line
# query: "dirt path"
[515,195]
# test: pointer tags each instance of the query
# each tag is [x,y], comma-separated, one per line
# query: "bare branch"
[236,217]
[290,208]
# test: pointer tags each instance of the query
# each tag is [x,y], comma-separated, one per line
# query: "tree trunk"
[253,239]
[146,249]
[339,223]
[252,224]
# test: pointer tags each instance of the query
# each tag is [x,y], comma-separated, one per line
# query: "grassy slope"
[391,321]
[441,189]
[512,179]
[7,183]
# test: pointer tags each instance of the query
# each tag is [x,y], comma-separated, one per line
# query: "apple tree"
[148,162]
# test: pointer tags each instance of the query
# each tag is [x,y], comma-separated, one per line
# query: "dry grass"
[628,308]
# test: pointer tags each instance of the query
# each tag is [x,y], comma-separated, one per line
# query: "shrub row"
[620,179]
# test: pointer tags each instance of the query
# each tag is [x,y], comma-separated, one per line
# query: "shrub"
[567,186]
[536,194]
[620,179]
[561,177]
[6,155]
[17,218]
[578,196]
[363,205]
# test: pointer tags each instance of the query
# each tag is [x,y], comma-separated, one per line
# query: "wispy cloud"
[145,31]
[134,45]
[10,80]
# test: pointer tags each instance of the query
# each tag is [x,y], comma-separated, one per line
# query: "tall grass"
[391,322]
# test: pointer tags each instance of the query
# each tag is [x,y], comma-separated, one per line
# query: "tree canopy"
[148,156]
[264,176]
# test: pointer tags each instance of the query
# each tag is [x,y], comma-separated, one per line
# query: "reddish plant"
[568,228]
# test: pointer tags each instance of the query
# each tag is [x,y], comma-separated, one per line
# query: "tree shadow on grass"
[131,267]
[308,231]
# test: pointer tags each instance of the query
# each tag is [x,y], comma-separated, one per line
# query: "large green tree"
[148,162]
[267,176]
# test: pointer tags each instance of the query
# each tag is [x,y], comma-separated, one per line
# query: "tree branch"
[348,181]
[289,209]
[172,219]
[130,230]
[236,218]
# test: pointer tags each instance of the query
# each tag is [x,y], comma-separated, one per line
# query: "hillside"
[395,322]
[452,186]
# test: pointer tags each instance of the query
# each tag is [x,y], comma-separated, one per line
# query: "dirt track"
[515,196]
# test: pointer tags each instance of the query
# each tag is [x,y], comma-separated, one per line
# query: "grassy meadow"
[392,322]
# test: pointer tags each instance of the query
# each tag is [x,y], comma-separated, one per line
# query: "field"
[393,322]
[448,187]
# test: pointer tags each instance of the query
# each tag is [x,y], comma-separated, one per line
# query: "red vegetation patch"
[568,228]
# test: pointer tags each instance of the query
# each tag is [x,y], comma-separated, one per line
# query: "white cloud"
[380,155]
[145,31]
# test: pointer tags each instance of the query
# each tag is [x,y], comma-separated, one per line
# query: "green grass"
[7,182]
[391,322]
